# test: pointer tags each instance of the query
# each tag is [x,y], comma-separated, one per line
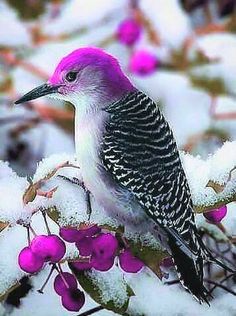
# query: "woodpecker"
[128,156]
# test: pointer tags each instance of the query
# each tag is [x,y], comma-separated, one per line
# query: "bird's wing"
[140,153]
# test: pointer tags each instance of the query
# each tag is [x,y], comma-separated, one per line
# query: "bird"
[128,157]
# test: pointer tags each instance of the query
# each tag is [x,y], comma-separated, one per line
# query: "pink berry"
[81,266]
[102,265]
[73,300]
[167,263]
[104,247]
[215,216]
[69,234]
[90,231]
[143,63]
[64,282]
[129,263]
[129,32]
[29,262]
[50,248]
[85,246]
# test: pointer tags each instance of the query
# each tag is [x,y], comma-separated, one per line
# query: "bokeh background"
[181,53]
[184,57]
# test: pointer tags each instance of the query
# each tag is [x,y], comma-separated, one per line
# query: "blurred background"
[181,53]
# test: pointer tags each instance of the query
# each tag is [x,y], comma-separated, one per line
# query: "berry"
[85,246]
[81,266]
[29,262]
[64,282]
[129,263]
[50,248]
[143,63]
[167,263]
[104,247]
[90,231]
[215,216]
[129,32]
[69,234]
[102,265]
[73,300]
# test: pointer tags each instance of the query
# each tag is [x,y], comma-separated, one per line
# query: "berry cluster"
[101,250]
[142,62]
[65,285]
[43,248]
[97,249]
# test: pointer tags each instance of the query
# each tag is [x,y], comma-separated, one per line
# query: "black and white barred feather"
[139,151]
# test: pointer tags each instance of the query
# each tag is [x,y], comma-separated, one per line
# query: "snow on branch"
[212,181]
[57,187]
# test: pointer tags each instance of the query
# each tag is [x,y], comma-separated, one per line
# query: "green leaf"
[93,290]
[53,213]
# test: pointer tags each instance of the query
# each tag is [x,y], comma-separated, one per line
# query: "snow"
[76,15]
[12,209]
[220,46]
[161,13]
[111,285]
[49,164]
[14,26]
[222,162]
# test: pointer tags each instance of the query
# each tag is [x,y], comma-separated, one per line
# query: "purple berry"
[69,234]
[29,262]
[64,282]
[104,247]
[50,248]
[102,265]
[129,32]
[167,263]
[81,266]
[73,300]
[90,231]
[143,63]
[215,216]
[129,263]
[85,246]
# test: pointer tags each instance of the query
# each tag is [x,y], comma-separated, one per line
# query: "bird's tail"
[189,268]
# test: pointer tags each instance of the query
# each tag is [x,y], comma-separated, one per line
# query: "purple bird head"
[87,75]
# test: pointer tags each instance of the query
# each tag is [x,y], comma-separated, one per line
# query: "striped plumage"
[139,151]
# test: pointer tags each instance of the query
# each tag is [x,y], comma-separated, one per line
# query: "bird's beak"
[38,92]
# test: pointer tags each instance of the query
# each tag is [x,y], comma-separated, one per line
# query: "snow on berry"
[29,261]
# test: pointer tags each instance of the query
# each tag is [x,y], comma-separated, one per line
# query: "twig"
[92,311]
[220,286]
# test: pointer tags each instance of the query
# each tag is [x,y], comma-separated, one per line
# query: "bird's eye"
[71,76]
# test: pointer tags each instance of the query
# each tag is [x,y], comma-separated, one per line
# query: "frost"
[222,162]
[49,164]
[111,285]
[11,190]
[14,26]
